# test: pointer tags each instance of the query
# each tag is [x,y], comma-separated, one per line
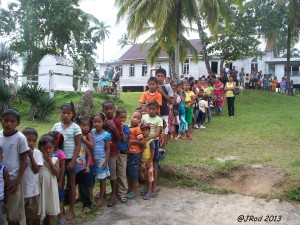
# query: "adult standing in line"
[242,77]
[218,88]
[229,87]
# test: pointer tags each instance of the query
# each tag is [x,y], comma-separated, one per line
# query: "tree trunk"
[204,50]
[288,60]
[178,21]
[221,65]
[172,67]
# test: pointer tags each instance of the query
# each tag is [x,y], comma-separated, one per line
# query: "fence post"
[51,84]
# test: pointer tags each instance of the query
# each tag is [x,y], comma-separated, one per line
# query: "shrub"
[6,97]
[45,107]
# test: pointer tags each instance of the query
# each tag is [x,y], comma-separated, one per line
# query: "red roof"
[137,53]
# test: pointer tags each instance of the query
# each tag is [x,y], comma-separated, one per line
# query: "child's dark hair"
[185,82]
[161,70]
[59,139]
[152,79]
[11,112]
[120,110]
[153,102]
[174,84]
[101,115]
[69,106]
[45,139]
[29,130]
[108,101]
[180,84]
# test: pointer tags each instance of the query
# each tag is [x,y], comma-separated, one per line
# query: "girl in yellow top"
[189,100]
[229,87]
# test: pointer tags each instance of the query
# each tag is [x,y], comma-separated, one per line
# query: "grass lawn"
[265,130]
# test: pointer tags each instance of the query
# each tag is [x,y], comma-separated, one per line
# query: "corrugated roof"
[137,53]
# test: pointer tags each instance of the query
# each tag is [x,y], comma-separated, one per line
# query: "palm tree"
[125,40]
[101,33]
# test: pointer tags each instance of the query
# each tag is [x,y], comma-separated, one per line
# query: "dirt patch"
[253,180]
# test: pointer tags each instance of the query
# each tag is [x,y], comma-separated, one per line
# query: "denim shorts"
[61,194]
[91,176]
[156,157]
[133,166]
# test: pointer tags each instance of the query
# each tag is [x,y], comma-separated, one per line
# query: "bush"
[45,107]
[6,97]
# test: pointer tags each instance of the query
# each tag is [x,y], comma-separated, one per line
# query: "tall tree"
[125,40]
[101,33]
[7,59]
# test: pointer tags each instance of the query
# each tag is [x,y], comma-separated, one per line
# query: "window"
[131,70]
[254,65]
[214,67]
[144,69]
[186,67]
[294,71]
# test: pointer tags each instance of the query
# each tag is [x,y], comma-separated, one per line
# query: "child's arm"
[125,135]
[88,140]
[164,95]
[53,167]
[23,165]
[6,194]
[88,160]
[35,167]
[107,149]
[61,176]
[77,140]
[116,132]
[140,142]
[153,136]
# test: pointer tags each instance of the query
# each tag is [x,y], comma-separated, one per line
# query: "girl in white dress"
[49,200]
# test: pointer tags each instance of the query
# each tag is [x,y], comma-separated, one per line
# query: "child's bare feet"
[100,202]
[70,215]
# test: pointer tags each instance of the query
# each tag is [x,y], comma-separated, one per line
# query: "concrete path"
[186,207]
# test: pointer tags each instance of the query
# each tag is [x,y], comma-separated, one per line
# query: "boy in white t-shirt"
[14,150]
[203,105]
[30,179]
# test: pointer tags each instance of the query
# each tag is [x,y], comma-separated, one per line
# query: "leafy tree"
[125,40]
[7,59]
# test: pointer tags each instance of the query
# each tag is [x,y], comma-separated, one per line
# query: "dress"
[49,200]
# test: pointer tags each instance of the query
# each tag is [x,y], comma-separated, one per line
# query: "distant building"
[135,71]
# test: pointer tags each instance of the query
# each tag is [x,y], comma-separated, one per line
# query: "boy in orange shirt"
[152,93]
[136,142]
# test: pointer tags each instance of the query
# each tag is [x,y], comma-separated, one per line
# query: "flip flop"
[123,199]
[148,196]
[112,202]
[130,195]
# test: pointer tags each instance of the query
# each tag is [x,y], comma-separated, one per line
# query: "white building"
[135,70]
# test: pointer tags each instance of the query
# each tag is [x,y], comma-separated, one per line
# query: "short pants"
[133,165]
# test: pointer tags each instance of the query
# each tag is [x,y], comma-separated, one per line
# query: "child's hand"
[83,138]
[30,153]
[12,188]
[111,124]
[5,208]
[104,165]
[87,170]
[70,165]
[47,158]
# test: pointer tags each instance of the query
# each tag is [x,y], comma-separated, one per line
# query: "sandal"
[143,192]
[130,195]
[189,138]
[111,202]
[148,196]
[123,199]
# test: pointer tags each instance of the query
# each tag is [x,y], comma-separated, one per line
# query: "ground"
[188,207]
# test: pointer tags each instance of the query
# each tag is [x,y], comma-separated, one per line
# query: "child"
[72,135]
[152,93]
[136,141]
[189,101]
[59,145]
[183,125]
[203,105]
[82,168]
[30,179]
[113,126]
[49,199]
[146,167]
[144,109]
[167,98]
[101,154]
[247,81]
[14,150]
[4,184]
[122,185]
[219,105]
[175,112]
[156,125]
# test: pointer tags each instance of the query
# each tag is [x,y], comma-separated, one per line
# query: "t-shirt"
[2,182]
[154,123]
[188,97]
[150,146]
[123,146]
[219,102]
[12,147]
[114,141]
[135,134]
[59,154]
[146,97]
[229,93]
[202,105]
[99,143]
[30,180]
[69,137]
[81,158]
[164,109]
